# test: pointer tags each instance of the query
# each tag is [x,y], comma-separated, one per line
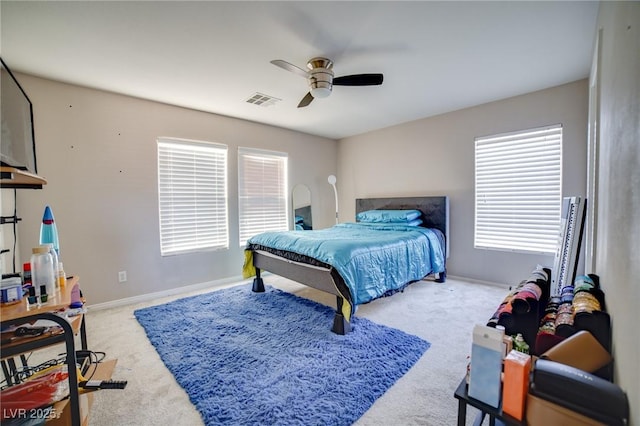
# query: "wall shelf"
[20,179]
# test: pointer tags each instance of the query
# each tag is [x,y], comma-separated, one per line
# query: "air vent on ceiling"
[262,100]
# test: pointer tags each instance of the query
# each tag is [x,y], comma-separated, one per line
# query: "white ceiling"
[212,56]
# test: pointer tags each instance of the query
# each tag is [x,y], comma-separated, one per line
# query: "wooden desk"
[58,300]
[23,312]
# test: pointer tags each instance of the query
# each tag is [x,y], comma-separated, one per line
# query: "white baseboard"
[164,293]
[473,280]
[217,284]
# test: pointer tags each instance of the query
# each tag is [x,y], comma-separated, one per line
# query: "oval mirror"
[301,199]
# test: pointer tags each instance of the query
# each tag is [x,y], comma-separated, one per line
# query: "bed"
[358,261]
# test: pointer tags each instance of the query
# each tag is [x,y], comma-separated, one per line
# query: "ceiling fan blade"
[306,100]
[290,67]
[358,80]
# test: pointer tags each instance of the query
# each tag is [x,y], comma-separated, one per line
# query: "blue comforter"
[371,258]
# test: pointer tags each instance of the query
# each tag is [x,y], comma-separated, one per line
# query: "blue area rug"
[270,358]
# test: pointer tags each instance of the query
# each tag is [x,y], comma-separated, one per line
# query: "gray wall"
[435,156]
[618,234]
[97,151]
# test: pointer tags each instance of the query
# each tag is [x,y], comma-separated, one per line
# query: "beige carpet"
[443,314]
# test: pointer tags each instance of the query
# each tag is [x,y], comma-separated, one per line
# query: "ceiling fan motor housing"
[320,77]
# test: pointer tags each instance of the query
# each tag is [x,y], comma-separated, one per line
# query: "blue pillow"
[415,222]
[388,216]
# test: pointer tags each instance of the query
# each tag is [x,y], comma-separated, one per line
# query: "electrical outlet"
[122,276]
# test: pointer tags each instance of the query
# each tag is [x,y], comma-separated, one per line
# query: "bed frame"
[435,212]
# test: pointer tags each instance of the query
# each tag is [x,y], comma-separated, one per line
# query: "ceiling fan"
[321,79]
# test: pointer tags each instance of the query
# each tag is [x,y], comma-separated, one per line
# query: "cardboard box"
[515,387]
[543,413]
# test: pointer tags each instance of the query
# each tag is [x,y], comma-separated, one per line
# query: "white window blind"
[192,195]
[262,192]
[518,190]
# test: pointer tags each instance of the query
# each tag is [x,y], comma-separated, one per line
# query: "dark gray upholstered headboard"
[435,210]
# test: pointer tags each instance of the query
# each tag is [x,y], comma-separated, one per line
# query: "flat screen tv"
[17,142]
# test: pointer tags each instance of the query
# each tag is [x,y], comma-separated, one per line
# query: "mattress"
[372,259]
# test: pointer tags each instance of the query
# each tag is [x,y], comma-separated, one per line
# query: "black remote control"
[103,384]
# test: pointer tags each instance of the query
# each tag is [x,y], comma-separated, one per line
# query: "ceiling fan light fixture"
[320,82]
[320,92]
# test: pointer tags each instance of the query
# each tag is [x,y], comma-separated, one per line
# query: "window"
[262,192]
[192,195]
[518,190]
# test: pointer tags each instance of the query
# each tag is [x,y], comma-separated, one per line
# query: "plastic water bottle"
[48,230]
[42,271]
[54,257]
